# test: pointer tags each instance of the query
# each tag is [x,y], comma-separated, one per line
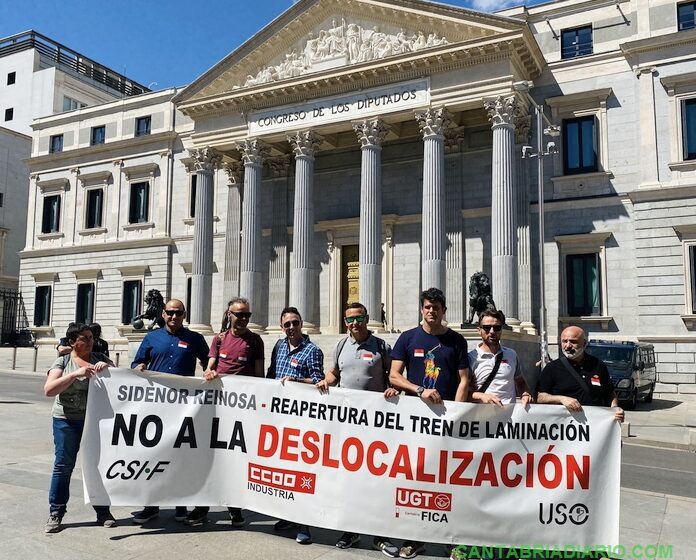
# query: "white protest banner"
[353,461]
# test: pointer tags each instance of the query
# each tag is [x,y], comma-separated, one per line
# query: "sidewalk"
[662,423]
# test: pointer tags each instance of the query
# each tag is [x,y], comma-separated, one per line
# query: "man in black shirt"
[577,378]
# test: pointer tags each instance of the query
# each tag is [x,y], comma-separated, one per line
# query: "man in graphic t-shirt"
[437,366]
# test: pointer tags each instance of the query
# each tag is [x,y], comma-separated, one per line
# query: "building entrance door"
[350,278]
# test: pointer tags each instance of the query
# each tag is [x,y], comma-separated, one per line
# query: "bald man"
[590,385]
[173,349]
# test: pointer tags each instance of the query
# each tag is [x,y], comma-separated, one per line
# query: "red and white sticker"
[595,381]
[367,356]
[223,355]
[183,344]
[242,358]
[418,353]
[294,362]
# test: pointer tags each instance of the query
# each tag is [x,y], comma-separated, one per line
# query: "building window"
[689,128]
[2,199]
[9,114]
[576,42]
[139,202]
[142,126]
[70,104]
[132,298]
[685,15]
[692,276]
[56,144]
[579,145]
[84,311]
[584,284]
[11,78]
[192,195]
[42,306]
[98,135]
[50,222]
[95,208]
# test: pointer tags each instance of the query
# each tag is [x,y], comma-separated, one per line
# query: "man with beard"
[577,378]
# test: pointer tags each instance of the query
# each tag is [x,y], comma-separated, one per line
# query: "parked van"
[631,367]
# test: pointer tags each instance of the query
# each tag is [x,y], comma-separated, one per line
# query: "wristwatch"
[420,390]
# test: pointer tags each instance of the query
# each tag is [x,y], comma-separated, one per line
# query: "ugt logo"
[561,513]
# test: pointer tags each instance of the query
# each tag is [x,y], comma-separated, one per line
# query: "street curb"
[632,440]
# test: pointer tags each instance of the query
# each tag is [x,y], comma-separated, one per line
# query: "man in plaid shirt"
[295,358]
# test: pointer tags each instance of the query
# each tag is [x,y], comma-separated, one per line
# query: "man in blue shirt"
[173,349]
[437,367]
[295,358]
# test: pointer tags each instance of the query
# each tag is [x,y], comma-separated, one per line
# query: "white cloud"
[493,5]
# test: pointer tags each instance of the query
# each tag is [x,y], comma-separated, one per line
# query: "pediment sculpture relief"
[342,44]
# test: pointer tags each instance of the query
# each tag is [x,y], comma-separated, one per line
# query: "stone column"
[524,249]
[454,229]
[501,112]
[304,145]
[205,161]
[233,228]
[371,133]
[433,124]
[253,152]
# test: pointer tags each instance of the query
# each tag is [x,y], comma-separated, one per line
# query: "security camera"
[551,148]
[526,151]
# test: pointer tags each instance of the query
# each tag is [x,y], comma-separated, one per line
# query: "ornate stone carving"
[502,110]
[253,151]
[330,241]
[305,143]
[278,166]
[434,121]
[371,132]
[344,43]
[523,129]
[205,159]
[233,170]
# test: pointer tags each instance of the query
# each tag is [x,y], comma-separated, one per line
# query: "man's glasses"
[487,328]
[351,320]
[293,323]
[174,312]
[240,314]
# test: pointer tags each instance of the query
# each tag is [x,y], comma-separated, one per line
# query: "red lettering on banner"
[263,449]
[309,441]
[294,481]
[574,470]
[421,475]
[355,465]
[465,458]
[326,459]
[402,463]
[371,450]
[486,470]
[290,440]
[509,481]
[424,499]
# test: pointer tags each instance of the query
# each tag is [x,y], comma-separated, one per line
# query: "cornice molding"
[660,42]
[96,248]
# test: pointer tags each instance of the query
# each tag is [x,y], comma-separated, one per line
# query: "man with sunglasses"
[173,349]
[295,358]
[235,351]
[361,361]
[496,376]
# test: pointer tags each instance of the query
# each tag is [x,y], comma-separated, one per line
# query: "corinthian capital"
[371,132]
[205,159]
[502,110]
[304,143]
[253,151]
[278,166]
[233,170]
[434,121]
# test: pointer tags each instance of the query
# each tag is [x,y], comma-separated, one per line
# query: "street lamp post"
[551,149]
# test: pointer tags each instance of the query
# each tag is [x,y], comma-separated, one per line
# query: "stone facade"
[302,149]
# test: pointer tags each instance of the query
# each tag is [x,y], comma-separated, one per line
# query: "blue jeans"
[67,433]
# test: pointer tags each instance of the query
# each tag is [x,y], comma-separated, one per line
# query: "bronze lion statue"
[154,304]
[480,296]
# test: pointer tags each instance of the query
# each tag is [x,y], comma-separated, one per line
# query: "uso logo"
[283,479]
[423,499]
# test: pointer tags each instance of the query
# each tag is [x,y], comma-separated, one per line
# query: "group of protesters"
[430,362]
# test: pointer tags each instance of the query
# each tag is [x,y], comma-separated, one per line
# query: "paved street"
[658,503]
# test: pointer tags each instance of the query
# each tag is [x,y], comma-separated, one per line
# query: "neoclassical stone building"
[368,149]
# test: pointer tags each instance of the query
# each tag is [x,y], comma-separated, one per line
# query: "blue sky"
[159,43]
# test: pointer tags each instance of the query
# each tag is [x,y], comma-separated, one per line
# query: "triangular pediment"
[314,37]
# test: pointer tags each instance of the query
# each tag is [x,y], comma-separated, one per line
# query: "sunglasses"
[293,323]
[487,328]
[174,312]
[351,320]
[240,314]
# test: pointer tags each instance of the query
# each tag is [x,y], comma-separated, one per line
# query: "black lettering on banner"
[145,441]
[236,439]
[128,432]
[187,434]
